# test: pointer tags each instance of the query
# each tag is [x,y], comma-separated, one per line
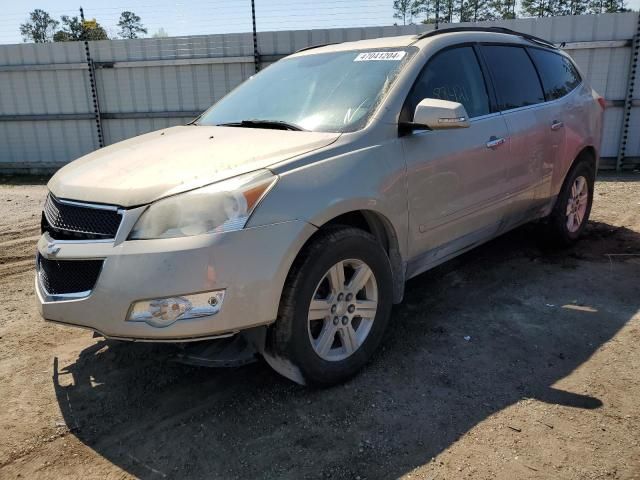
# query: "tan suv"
[286,219]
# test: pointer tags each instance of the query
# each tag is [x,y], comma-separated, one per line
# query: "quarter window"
[452,75]
[558,74]
[514,76]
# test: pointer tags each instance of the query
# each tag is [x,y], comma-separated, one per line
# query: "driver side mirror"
[435,114]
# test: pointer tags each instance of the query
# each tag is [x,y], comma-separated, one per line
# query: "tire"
[558,222]
[293,336]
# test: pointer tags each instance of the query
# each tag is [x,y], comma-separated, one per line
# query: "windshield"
[324,92]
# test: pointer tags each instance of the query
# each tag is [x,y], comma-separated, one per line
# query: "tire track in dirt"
[16,254]
[20,230]
[15,268]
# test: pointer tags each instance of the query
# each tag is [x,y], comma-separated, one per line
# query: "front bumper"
[250,264]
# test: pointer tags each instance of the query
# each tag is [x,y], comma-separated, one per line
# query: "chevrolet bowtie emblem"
[52,249]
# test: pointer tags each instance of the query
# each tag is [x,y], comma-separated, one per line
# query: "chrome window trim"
[484,117]
[525,107]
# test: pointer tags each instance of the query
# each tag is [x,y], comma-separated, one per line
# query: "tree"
[502,9]
[74,29]
[39,28]
[446,11]
[71,30]
[428,9]
[130,25]
[406,10]
[92,30]
[569,7]
[535,8]
[553,8]
[161,33]
[606,6]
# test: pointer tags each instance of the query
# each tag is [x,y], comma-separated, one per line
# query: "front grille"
[64,221]
[68,276]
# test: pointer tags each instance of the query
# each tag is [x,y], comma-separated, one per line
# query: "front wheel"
[573,206]
[335,307]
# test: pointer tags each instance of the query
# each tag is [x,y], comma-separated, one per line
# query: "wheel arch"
[378,225]
[588,154]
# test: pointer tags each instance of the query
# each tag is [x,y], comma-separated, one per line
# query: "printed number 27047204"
[379,56]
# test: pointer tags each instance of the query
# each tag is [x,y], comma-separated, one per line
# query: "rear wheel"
[335,307]
[573,206]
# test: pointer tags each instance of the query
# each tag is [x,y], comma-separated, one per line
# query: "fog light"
[162,312]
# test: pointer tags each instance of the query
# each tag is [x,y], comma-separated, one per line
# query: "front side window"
[514,76]
[559,76]
[454,75]
[322,92]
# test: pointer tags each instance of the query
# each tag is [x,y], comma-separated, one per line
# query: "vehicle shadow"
[495,326]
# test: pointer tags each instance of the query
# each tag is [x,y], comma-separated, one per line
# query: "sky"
[193,17]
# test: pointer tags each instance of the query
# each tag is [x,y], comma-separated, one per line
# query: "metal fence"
[59,101]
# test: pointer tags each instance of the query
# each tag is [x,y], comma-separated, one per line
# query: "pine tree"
[502,9]
[40,27]
[406,10]
[535,8]
[447,8]
[130,25]
[577,7]
[606,6]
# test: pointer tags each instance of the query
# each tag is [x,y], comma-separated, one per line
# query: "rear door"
[521,100]
[456,178]
[559,78]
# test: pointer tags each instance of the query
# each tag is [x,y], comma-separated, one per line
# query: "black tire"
[289,338]
[558,231]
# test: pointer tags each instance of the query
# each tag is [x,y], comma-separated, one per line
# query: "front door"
[456,178]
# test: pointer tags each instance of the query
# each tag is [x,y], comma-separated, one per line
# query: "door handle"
[557,125]
[495,142]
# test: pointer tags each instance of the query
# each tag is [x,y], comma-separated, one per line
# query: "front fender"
[371,178]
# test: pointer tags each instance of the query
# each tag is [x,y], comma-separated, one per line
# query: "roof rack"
[311,47]
[508,31]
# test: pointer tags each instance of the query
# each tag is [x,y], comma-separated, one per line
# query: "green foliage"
[479,10]
[73,29]
[502,9]
[130,25]
[40,27]
[94,31]
[451,11]
[606,6]
[552,8]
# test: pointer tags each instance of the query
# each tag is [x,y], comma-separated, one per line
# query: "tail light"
[602,102]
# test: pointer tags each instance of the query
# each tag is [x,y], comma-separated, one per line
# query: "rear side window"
[514,76]
[558,74]
[453,74]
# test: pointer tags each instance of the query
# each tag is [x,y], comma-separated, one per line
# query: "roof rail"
[311,47]
[508,31]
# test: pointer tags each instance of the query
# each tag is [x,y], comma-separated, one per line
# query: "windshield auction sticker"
[377,56]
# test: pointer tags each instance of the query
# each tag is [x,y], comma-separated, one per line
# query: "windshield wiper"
[275,124]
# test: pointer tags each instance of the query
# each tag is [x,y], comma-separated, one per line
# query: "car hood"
[157,164]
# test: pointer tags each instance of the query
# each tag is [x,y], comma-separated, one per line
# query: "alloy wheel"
[577,204]
[342,310]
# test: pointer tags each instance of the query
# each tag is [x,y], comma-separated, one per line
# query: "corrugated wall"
[47,114]
[44,100]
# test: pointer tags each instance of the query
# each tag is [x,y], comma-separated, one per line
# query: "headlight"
[221,207]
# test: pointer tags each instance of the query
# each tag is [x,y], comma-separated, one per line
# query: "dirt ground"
[513,361]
